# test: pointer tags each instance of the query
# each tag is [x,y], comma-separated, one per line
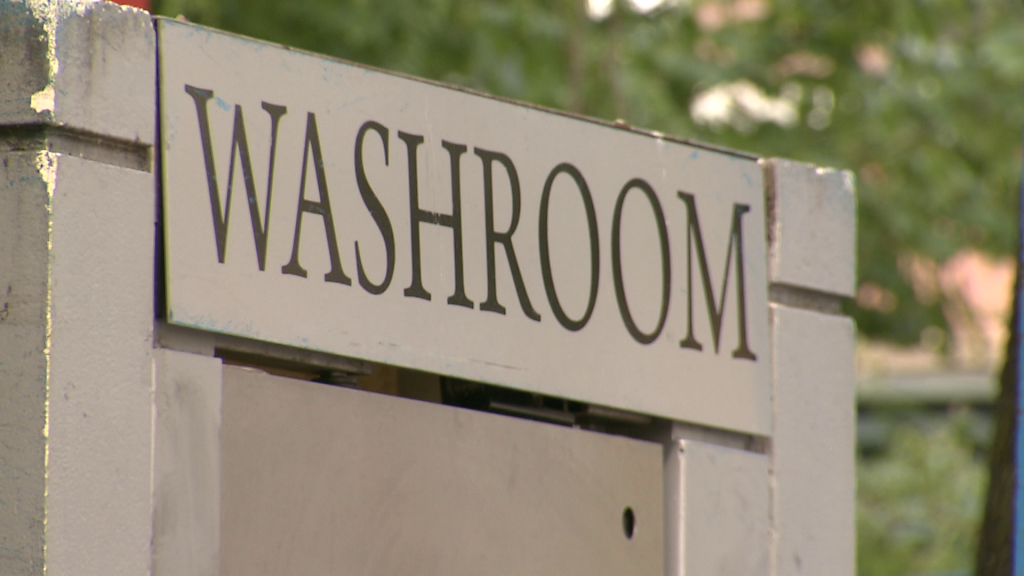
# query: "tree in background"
[921,99]
[918,502]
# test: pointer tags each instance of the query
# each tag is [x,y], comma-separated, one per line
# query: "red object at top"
[144,4]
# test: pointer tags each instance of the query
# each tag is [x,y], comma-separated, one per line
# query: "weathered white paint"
[24,221]
[76,336]
[99,385]
[813,443]
[76,294]
[601,363]
[186,465]
[813,227]
[82,64]
[717,510]
[42,101]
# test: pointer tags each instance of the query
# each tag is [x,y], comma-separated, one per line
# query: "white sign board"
[318,204]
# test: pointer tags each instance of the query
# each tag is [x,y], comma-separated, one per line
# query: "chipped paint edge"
[46,165]
[49,13]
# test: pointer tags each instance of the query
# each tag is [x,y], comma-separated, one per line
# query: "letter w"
[239,146]
[716,310]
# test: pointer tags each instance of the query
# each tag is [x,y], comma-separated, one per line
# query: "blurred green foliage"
[920,498]
[921,99]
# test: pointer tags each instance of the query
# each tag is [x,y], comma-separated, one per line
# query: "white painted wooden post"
[717,502]
[812,220]
[187,464]
[76,288]
[790,511]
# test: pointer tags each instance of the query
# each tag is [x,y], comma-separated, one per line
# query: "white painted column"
[77,109]
[717,510]
[783,505]
[812,219]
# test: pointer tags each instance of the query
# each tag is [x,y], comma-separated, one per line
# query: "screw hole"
[628,522]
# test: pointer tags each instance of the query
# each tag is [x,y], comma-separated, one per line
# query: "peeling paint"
[42,101]
[46,13]
[46,164]
[49,12]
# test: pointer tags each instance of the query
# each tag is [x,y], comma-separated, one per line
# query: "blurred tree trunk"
[995,541]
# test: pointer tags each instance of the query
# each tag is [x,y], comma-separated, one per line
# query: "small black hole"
[628,522]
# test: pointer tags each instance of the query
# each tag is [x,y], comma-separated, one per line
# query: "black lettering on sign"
[321,208]
[239,145]
[419,216]
[666,269]
[376,209]
[545,252]
[505,238]
[716,310]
